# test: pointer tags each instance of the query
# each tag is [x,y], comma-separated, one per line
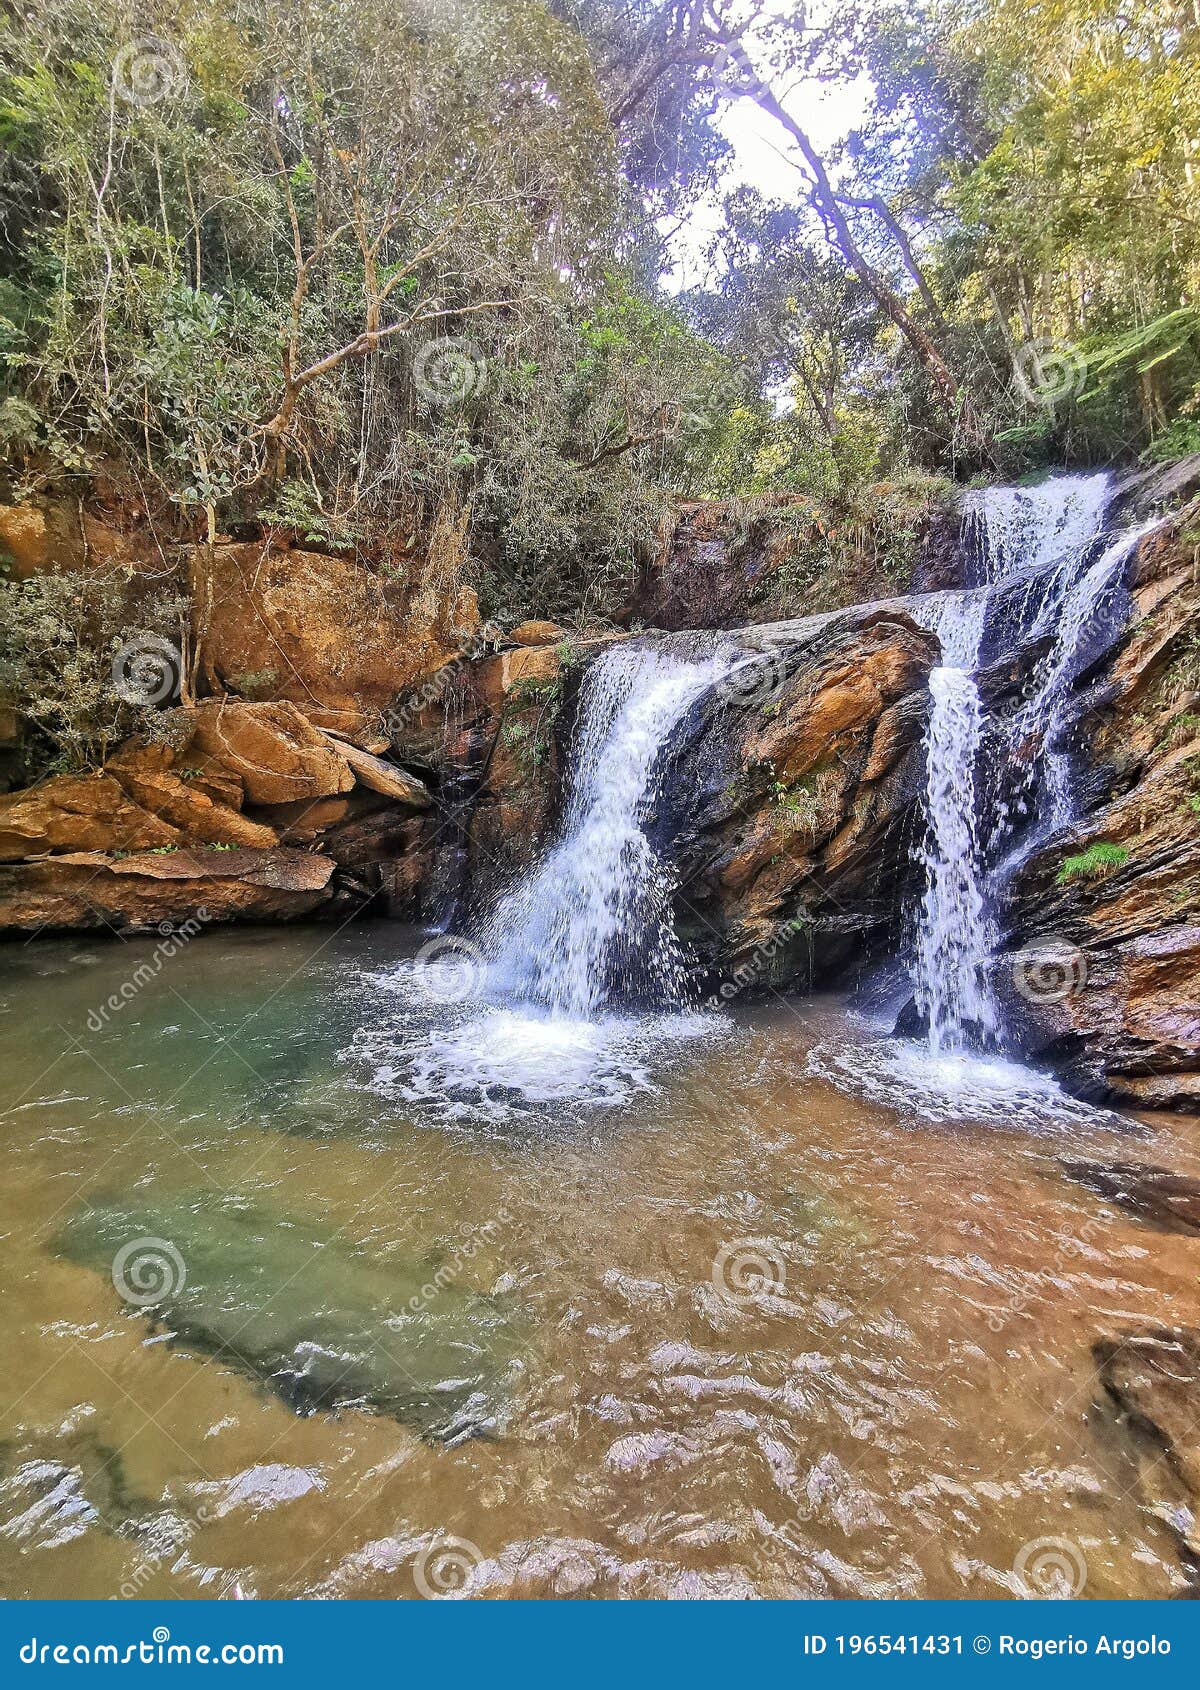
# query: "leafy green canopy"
[351,267]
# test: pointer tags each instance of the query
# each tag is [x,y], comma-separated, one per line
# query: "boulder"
[526,667]
[798,793]
[194,793]
[78,813]
[1153,1379]
[273,749]
[327,633]
[537,633]
[306,1315]
[384,777]
[1166,1200]
[84,889]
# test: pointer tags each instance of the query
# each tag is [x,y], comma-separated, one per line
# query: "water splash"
[540,1029]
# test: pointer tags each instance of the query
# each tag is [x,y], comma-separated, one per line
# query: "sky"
[763,154]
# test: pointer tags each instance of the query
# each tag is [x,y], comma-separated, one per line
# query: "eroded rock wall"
[1118,899]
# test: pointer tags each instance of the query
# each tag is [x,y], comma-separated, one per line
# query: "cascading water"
[952,936]
[593,924]
[1040,584]
[532,1015]
[1047,535]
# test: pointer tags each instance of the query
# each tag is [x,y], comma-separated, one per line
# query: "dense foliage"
[368,272]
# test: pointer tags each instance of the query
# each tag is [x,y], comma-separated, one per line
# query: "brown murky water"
[759,1336]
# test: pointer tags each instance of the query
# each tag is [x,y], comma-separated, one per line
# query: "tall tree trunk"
[876,204]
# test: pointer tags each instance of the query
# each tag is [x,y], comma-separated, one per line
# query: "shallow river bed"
[320,1276]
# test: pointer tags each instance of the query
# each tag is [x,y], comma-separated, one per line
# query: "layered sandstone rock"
[273,749]
[1124,1019]
[283,817]
[85,889]
[798,799]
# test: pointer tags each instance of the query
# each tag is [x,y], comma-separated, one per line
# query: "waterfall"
[952,936]
[593,923]
[1076,615]
[1046,536]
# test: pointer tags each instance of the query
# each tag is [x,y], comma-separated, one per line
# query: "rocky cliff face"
[798,801]
[1114,908]
[415,766]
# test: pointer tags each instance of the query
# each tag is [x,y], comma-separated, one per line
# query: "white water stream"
[537,1013]
[593,924]
[1048,535]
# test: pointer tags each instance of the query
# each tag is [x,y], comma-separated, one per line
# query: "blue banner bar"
[590,1643]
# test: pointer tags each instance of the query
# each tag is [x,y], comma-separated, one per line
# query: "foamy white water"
[537,1015]
[952,1087]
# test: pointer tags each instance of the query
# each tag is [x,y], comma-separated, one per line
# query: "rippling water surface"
[715,1304]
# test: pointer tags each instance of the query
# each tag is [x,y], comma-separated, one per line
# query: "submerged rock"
[305,1313]
[1166,1200]
[1153,1378]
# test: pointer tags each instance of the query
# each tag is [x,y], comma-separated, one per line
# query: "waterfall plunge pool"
[738,1332]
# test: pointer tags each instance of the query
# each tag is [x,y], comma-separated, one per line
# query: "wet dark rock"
[319,1323]
[1153,1379]
[795,800]
[1166,1200]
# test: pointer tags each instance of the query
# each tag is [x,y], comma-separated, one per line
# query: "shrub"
[85,662]
[1094,863]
